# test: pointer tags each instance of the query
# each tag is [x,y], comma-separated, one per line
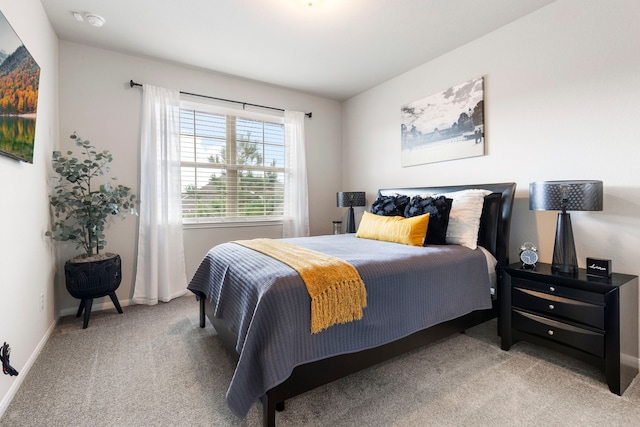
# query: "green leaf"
[81,214]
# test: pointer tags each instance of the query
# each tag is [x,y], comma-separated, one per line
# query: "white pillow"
[464,219]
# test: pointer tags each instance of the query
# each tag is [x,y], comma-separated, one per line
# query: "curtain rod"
[244,104]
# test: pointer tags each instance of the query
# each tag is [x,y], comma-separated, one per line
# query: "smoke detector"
[92,18]
[95,20]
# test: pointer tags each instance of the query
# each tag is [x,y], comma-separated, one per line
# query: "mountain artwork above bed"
[448,125]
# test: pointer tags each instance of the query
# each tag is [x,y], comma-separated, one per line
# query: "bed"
[415,296]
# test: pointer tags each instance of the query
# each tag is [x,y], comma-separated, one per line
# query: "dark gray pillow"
[390,205]
[438,209]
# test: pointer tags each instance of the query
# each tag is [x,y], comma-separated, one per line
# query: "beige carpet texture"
[154,366]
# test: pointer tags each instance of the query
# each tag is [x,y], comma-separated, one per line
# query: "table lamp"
[350,199]
[565,196]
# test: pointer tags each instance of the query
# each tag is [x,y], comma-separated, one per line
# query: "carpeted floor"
[153,366]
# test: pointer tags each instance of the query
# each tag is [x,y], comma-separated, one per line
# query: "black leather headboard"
[495,222]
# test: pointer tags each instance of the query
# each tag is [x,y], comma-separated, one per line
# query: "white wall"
[96,101]
[562,90]
[26,255]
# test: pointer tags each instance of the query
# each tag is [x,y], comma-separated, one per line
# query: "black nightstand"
[589,318]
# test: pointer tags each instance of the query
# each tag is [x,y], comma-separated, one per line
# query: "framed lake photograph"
[19,82]
[445,126]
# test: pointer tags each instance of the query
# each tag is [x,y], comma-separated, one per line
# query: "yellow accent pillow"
[408,231]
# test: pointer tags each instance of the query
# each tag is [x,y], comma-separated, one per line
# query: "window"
[232,167]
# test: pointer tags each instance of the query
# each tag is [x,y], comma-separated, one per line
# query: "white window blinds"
[232,167]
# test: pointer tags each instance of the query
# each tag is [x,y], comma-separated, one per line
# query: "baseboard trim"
[6,400]
[106,304]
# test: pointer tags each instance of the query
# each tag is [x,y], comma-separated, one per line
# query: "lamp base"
[351,221]
[564,250]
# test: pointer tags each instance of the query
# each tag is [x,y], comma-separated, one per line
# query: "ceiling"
[334,49]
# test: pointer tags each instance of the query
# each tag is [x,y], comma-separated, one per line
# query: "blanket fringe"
[335,287]
[340,303]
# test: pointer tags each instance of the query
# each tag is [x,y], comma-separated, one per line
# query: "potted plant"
[81,209]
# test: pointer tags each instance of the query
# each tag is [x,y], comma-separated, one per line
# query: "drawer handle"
[551,307]
[550,331]
[552,289]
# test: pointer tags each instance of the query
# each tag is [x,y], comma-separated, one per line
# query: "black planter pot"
[87,280]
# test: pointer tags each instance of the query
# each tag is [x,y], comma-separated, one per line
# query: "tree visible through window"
[232,168]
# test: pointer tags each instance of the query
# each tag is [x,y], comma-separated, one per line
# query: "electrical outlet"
[41,302]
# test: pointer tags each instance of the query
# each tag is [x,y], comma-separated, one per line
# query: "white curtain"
[160,274]
[296,205]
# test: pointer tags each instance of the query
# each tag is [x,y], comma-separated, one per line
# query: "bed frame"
[493,235]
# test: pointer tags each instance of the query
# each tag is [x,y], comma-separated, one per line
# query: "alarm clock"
[528,255]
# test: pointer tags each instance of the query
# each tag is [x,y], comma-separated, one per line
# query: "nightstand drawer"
[583,312]
[590,319]
[563,291]
[582,339]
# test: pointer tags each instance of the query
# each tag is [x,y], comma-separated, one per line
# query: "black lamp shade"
[350,199]
[565,196]
[577,195]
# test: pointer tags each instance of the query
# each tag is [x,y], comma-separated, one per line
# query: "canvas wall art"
[19,80]
[445,126]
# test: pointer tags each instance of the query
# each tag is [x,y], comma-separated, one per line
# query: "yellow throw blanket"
[337,292]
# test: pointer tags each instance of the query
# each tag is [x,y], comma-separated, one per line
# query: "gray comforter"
[266,303]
